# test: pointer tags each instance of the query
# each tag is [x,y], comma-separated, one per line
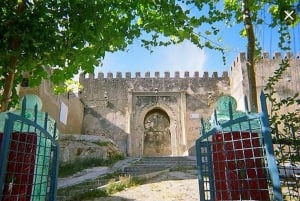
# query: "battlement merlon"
[167,75]
[279,56]
[242,58]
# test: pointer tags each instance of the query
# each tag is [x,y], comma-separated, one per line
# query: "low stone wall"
[74,147]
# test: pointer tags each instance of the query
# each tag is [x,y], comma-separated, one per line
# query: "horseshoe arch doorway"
[157,135]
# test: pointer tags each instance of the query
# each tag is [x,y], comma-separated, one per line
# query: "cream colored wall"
[52,105]
[265,67]
[238,83]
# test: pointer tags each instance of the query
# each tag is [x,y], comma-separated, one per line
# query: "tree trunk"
[11,73]
[250,58]
[8,84]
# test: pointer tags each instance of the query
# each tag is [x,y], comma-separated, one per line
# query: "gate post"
[4,151]
[274,173]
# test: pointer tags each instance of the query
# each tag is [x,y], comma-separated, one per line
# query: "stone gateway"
[160,115]
[150,116]
[154,115]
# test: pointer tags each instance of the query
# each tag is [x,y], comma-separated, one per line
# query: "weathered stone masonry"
[150,115]
[288,85]
[155,115]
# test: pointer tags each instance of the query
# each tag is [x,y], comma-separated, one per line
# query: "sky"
[187,57]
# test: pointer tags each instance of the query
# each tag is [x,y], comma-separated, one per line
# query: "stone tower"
[288,85]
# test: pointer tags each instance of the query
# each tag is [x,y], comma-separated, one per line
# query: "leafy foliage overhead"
[71,35]
[272,14]
[55,39]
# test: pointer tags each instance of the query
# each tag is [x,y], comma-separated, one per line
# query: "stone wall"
[118,108]
[159,115]
[52,105]
[265,67]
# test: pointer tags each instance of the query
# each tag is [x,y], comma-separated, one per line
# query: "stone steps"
[154,164]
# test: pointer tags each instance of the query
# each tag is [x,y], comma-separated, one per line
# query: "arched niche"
[157,135]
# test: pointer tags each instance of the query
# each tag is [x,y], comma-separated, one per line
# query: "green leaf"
[207,32]
[139,21]
[274,9]
[243,32]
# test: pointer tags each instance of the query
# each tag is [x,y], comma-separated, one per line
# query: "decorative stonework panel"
[160,120]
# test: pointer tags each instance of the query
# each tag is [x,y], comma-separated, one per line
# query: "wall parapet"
[147,74]
[242,58]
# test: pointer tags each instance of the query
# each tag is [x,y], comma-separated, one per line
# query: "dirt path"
[169,186]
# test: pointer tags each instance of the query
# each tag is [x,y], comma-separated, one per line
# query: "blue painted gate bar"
[28,154]
[235,157]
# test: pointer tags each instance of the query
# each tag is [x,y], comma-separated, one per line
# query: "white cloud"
[183,57]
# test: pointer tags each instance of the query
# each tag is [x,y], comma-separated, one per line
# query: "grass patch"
[94,193]
[90,190]
[113,175]
[123,183]
[87,187]
[78,165]
[102,143]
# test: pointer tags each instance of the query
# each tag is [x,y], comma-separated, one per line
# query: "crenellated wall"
[167,74]
[264,68]
[239,80]
[118,108]
[154,114]
[159,114]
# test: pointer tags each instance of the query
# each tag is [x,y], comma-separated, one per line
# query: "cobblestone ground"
[169,186]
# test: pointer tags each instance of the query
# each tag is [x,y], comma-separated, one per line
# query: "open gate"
[28,157]
[236,159]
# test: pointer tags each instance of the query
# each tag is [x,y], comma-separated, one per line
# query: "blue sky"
[187,57]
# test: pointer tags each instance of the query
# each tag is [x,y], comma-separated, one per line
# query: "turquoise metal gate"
[28,157]
[236,159]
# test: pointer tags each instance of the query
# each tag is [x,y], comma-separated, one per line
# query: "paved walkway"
[165,186]
[93,173]
[85,175]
